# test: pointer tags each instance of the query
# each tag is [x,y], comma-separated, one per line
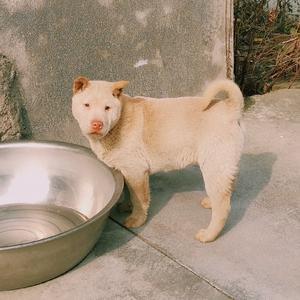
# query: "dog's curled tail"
[235,96]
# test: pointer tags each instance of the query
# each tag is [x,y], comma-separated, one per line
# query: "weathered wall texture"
[13,117]
[163,47]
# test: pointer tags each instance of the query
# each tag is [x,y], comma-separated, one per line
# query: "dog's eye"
[86,104]
[107,108]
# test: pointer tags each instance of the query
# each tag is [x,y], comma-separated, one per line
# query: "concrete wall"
[163,47]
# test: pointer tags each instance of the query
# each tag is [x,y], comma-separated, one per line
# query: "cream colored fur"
[141,136]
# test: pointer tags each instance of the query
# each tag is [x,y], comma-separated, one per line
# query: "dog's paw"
[134,222]
[204,236]
[206,203]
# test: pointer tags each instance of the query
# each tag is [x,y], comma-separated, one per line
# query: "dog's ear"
[118,87]
[80,84]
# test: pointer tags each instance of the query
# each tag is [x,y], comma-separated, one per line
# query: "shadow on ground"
[255,173]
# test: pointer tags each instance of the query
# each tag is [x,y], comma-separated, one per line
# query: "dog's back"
[175,129]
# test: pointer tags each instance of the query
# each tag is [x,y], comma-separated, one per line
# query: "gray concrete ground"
[256,257]
[122,266]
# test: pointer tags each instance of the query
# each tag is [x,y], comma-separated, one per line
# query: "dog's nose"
[97,125]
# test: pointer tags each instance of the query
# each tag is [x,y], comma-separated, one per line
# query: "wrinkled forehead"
[96,90]
[100,87]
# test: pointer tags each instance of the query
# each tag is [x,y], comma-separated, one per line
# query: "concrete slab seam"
[154,246]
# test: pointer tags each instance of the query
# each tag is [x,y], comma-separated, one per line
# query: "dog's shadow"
[255,173]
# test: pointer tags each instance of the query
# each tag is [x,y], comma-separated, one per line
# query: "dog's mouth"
[95,134]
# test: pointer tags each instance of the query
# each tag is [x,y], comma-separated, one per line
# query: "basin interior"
[24,223]
[47,189]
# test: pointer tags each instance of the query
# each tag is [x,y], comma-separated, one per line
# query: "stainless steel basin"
[54,201]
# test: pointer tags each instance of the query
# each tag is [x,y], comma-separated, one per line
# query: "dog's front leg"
[140,197]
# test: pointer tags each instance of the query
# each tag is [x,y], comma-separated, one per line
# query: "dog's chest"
[123,158]
[108,157]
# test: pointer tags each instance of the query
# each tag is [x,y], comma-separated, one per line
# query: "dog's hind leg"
[218,174]
[220,213]
[140,197]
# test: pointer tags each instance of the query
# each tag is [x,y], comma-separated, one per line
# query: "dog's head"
[96,105]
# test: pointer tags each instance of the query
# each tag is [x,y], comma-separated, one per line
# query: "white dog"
[140,136]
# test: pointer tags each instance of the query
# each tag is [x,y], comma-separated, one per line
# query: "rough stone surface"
[122,267]
[281,105]
[164,48]
[12,112]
